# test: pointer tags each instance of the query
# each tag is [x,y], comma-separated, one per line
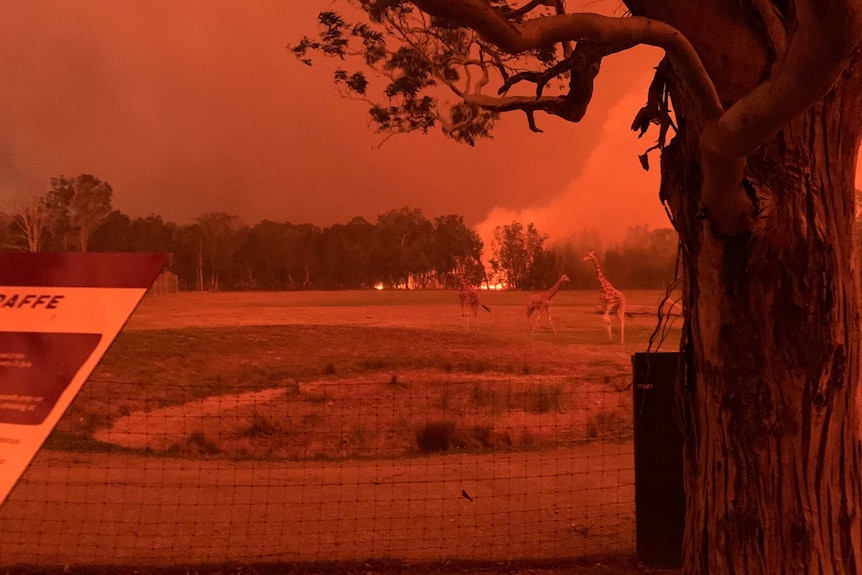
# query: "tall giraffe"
[469,298]
[612,299]
[541,303]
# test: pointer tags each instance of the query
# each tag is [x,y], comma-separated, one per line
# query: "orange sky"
[195,106]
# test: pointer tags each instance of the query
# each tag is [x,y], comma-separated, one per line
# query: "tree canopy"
[76,207]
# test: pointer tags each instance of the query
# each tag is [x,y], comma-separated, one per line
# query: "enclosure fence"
[457,465]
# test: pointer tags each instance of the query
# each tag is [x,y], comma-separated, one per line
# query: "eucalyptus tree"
[517,250]
[404,243]
[758,106]
[31,221]
[11,236]
[216,244]
[152,233]
[570,253]
[346,254]
[114,234]
[76,207]
[303,261]
[456,245]
[188,257]
[266,250]
[646,259]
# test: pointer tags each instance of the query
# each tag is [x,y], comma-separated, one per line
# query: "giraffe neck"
[554,289]
[606,285]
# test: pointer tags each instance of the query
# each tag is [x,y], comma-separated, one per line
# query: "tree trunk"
[771,393]
[200,263]
[83,238]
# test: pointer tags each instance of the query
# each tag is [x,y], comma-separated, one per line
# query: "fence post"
[659,491]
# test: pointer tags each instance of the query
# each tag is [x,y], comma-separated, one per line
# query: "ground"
[218,381]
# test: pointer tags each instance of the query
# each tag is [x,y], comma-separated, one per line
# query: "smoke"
[610,194]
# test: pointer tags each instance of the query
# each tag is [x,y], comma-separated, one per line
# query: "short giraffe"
[541,304]
[611,298]
[469,298]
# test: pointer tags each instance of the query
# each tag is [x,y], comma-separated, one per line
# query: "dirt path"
[158,429]
[130,510]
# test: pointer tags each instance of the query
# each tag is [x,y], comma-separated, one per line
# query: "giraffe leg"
[550,321]
[607,319]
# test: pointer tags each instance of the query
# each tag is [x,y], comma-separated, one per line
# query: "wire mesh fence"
[418,466]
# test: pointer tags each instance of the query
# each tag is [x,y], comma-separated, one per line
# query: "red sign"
[59,312]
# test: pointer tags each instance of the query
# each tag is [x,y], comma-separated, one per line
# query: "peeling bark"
[773,448]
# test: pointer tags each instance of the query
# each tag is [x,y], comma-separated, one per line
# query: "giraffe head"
[590,256]
[564,278]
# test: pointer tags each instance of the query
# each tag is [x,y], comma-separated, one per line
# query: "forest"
[401,249]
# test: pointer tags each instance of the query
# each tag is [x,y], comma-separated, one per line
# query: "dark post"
[659,492]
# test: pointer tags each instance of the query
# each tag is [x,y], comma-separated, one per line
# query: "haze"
[195,107]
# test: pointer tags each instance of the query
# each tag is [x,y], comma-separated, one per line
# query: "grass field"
[287,357]
[360,400]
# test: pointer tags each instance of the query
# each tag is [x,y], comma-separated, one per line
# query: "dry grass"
[290,378]
[318,375]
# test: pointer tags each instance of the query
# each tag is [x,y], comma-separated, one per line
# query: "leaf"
[644,159]
[642,121]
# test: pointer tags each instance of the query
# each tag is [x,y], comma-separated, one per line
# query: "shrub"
[435,436]
[197,444]
[544,399]
[484,435]
[260,426]
[373,364]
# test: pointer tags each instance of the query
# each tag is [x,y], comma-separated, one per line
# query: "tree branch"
[529,6]
[556,105]
[827,33]
[772,25]
[622,33]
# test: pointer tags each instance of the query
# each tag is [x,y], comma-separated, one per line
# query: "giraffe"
[469,298]
[612,299]
[541,303]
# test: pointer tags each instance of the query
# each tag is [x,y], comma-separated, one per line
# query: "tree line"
[401,249]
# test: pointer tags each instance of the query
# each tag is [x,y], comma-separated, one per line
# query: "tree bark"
[772,345]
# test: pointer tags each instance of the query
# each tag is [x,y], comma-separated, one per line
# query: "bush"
[260,426]
[195,444]
[435,436]
[544,399]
